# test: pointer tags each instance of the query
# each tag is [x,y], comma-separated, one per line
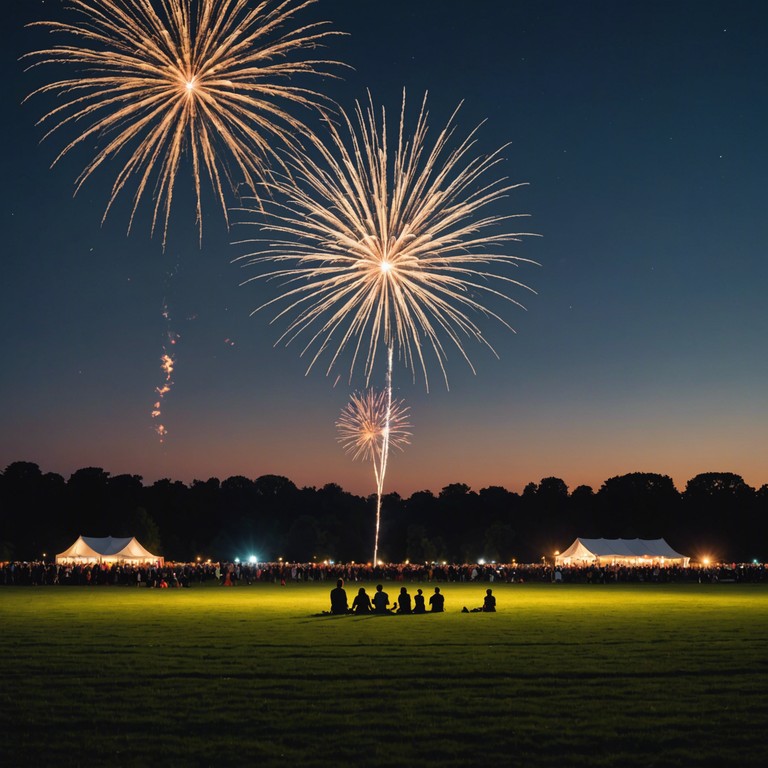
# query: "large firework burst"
[369,425]
[158,79]
[388,244]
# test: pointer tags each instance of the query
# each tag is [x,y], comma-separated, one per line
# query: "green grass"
[562,676]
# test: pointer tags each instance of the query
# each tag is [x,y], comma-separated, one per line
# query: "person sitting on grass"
[437,602]
[339,603]
[489,602]
[380,600]
[418,602]
[488,606]
[403,601]
[361,603]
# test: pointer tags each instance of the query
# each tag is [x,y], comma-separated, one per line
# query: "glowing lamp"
[252,559]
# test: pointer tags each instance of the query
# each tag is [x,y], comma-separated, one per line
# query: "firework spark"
[369,425]
[160,79]
[388,245]
[167,363]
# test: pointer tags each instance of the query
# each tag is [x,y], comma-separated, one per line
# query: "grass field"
[561,676]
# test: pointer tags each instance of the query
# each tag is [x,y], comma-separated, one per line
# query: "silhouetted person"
[361,603]
[339,598]
[380,600]
[437,602]
[488,606]
[418,602]
[403,601]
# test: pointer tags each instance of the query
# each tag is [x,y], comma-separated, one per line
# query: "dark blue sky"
[640,128]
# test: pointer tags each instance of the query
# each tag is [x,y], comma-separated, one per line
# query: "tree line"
[717,515]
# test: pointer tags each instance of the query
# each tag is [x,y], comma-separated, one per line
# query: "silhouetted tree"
[722,514]
[87,502]
[641,505]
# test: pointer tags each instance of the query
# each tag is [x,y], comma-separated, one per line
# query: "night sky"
[640,128]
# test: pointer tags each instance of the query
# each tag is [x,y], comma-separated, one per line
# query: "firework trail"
[369,425]
[157,80]
[388,244]
[167,363]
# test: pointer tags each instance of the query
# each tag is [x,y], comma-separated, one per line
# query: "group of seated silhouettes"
[380,603]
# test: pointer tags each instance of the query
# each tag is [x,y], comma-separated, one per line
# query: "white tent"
[107,549]
[621,552]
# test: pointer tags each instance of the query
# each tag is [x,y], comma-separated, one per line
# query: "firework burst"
[388,243]
[157,80]
[363,422]
[369,425]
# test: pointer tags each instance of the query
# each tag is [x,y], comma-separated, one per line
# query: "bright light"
[481,561]
[190,85]
[252,559]
[385,266]
[705,561]
[237,559]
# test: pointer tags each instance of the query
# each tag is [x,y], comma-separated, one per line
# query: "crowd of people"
[363,603]
[41,573]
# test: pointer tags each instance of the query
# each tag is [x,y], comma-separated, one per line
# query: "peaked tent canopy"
[621,552]
[107,549]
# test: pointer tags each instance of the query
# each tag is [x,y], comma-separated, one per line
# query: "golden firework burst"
[389,245]
[158,80]
[365,424]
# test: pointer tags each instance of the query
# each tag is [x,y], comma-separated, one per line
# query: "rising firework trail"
[369,425]
[388,244]
[167,364]
[157,80]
